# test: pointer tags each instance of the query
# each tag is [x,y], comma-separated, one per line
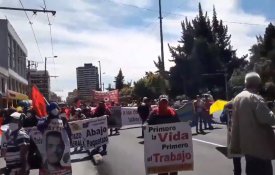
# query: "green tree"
[141,89]
[126,94]
[203,52]
[151,85]
[262,58]
[110,87]
[119,80]
[160,66]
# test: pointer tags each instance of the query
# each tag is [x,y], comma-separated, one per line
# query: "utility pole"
[100,85]
[226,86]
[30,64]
[32,10]
[161,35]
[46,79]
[46,95]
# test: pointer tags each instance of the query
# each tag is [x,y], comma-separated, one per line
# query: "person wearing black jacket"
[144,111]
[34,156]
[161,115]
[30,119]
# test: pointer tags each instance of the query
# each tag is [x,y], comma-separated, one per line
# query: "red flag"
[38,102]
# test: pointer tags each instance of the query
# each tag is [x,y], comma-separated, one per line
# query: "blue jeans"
[199,120]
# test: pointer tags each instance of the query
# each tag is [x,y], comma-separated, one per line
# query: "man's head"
[101,104]
[78,111]
[252,81]
[54,147]
[53,109]
[16,121]
[163,101]
[198,97]
[145,100]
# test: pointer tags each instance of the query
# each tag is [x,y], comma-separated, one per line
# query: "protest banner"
[228,113]
[54,147]
[95,132]
[130,116]
[186,112]
[168,148]
[111,96]
[114,121]
[76,129]
[90,133]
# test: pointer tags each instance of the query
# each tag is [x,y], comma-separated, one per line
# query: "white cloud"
[83,33]
[243,36]
[139,3]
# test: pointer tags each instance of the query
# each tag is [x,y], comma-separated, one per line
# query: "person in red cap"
[163,114]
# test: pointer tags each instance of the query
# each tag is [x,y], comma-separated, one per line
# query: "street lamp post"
[100,85]
[45,74]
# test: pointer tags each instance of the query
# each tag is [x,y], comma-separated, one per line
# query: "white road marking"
[210,143]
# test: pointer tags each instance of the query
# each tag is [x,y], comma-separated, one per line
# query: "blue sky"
[124,33]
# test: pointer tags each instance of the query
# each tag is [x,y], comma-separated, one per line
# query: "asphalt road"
[126,154]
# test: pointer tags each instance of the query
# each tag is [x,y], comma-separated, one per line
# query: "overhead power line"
[50,26]
[34,35]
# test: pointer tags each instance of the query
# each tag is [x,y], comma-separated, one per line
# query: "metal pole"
[226,87]
[32,10]
[29,69]
[29,78]
[161,35]
[46,84]
[100,85]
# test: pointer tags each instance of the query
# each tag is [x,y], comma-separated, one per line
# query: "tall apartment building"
[87,80]
[13,80]
[41,80]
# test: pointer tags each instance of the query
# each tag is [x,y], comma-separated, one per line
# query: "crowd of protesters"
[15,141]
[252,118]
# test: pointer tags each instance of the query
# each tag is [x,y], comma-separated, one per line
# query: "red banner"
[38,102]
[111,96]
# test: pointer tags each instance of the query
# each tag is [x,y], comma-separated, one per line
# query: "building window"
[9,85]
[10,50]
[3,85]
[17,59]
[17,86]
[13,45]
[13,84]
